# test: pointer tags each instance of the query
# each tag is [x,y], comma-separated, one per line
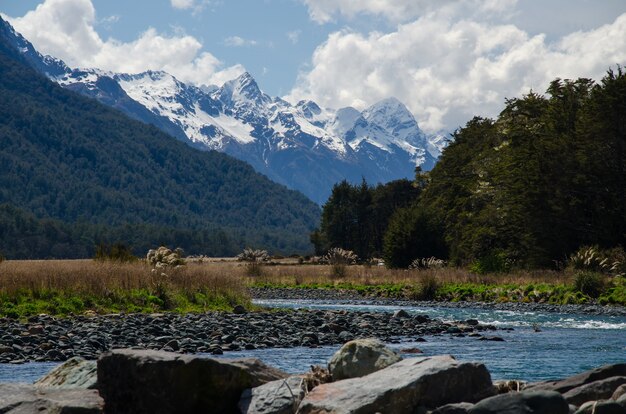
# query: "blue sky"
[447,60]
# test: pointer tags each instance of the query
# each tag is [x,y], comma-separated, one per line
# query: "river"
[565,344]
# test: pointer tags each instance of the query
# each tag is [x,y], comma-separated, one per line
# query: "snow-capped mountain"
[303,146]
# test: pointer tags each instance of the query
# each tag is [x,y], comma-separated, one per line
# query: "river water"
[566,344]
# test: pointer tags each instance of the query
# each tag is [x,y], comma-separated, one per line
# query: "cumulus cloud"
[323,11]
[65,29]
[447,69]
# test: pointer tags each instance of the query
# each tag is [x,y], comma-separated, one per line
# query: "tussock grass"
[74,286]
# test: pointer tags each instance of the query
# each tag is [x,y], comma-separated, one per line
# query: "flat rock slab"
[527,402]
[594,391]
[74,373]
[276,397]
[427,382]
[27,398]
[157,382]
[562,386]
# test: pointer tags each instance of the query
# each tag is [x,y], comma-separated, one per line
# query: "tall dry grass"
[99,278]
[102,277]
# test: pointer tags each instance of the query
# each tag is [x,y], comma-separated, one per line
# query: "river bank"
[352,296]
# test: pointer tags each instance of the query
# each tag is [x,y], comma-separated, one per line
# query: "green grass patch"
[24,303]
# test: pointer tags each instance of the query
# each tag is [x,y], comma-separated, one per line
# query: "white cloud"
[237,41]
[323,11]
[182,4]
[448,69]
[65,29]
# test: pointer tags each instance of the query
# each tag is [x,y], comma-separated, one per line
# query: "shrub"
[429,285]
[254,259]
[339,258]
[164,257]
[117,252]
[592,259]
[427,263]
[495,262]
[337,255]
[252,255]
[591,284]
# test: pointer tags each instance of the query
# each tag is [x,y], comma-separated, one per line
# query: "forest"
[525,190]
[75,173]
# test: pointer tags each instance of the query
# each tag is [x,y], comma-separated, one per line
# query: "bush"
[340,256]
[117,252]
[429,285]
[593,259]
[427,263]
[164,257]
[495,262]
[589,283]
[252,255]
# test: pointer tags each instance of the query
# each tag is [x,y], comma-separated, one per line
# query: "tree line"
[526,189]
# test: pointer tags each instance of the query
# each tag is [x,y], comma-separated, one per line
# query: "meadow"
[63,287]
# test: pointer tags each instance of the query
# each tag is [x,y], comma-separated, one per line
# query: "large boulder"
[27,398]
[594,391]
[157,382]
[404,387]
[276,397]
[526,402]
[602,407]
[562,386]
[73,373]
[361,357]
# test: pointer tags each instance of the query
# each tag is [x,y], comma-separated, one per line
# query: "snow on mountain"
[303,146]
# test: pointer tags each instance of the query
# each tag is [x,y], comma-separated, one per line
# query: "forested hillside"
[526,189]
[72,164]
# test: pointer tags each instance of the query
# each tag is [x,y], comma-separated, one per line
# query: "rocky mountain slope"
[304,146]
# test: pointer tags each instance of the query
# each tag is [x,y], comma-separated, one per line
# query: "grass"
[62,287]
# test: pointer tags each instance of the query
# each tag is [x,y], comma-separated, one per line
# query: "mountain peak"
[242,88]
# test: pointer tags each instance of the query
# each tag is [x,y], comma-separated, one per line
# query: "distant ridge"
[303,146]
[88,170]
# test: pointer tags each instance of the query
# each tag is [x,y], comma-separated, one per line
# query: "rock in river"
[403,387]
[361,357]
[156,382]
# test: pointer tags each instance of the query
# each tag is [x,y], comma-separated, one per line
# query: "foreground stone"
[155,382]
[581,379]
[74,373]
[26,398]
[276,397]
[526,402]
[361,357]
[594,391]
[403,387]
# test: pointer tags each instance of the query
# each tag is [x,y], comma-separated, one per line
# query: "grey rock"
[621,390]
[239,310]
[26,398]
[458,408]
[583,378]
[594,391]
[276,397]
[403,387]
[361,357]
[602,407]
[401,313]
[525,402]
[73,373]
[137,381]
